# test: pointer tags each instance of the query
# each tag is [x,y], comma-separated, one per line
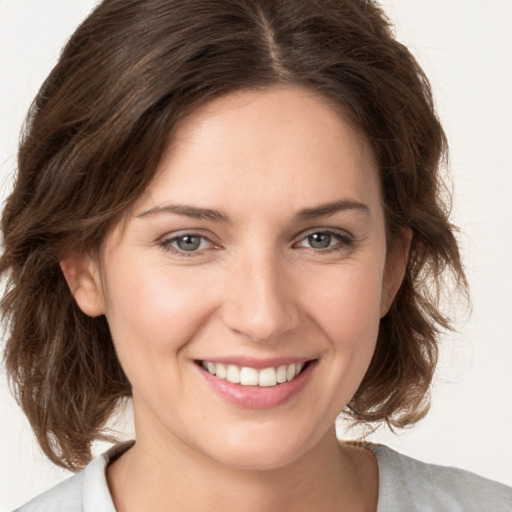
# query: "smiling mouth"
[247,376]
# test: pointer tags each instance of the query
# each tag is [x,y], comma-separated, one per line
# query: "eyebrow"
[328,209]
[316,212]
[187,211]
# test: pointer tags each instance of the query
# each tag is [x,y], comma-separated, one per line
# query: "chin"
[258,451]
[255,460]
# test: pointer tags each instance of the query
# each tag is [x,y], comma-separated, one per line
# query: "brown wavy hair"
[95,134]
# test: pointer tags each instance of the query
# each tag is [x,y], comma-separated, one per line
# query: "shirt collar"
[96,494]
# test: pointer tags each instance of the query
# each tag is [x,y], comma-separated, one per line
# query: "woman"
[230,211]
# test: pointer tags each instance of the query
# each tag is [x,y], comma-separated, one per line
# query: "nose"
[260,300]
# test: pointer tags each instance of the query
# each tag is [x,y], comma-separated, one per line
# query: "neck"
[169,476]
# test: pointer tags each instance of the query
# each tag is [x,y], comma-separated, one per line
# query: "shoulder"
[65,496]
[87,491]
[409,484]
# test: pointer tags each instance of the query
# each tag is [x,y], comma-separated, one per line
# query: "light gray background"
[464,46]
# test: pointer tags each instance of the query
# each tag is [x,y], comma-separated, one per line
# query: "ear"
[81,272]
[394,271]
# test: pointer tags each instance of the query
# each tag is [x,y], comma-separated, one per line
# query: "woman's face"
[258,250]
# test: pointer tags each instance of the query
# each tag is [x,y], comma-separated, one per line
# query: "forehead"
[283,146]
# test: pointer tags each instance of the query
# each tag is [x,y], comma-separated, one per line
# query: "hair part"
[95,135]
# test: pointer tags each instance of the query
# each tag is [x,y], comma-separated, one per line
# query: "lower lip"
[257,397]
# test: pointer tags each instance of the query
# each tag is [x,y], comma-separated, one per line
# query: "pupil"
[189,242]
[319,240]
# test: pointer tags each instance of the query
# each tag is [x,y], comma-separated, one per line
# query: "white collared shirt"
[405,485]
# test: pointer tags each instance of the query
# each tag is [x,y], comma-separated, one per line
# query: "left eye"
[187,243]
[324,240]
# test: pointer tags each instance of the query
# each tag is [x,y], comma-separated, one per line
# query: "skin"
[254,287]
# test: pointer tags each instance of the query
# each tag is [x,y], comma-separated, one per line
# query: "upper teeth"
[250,376]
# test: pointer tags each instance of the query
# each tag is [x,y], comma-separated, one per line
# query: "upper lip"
[257,363]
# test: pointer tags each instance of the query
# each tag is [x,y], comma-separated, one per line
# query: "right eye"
[186,243]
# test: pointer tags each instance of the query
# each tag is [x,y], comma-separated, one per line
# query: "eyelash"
[344,242]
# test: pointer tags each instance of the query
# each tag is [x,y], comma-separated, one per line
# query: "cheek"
[348,308]
[154,314]
[343,314]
